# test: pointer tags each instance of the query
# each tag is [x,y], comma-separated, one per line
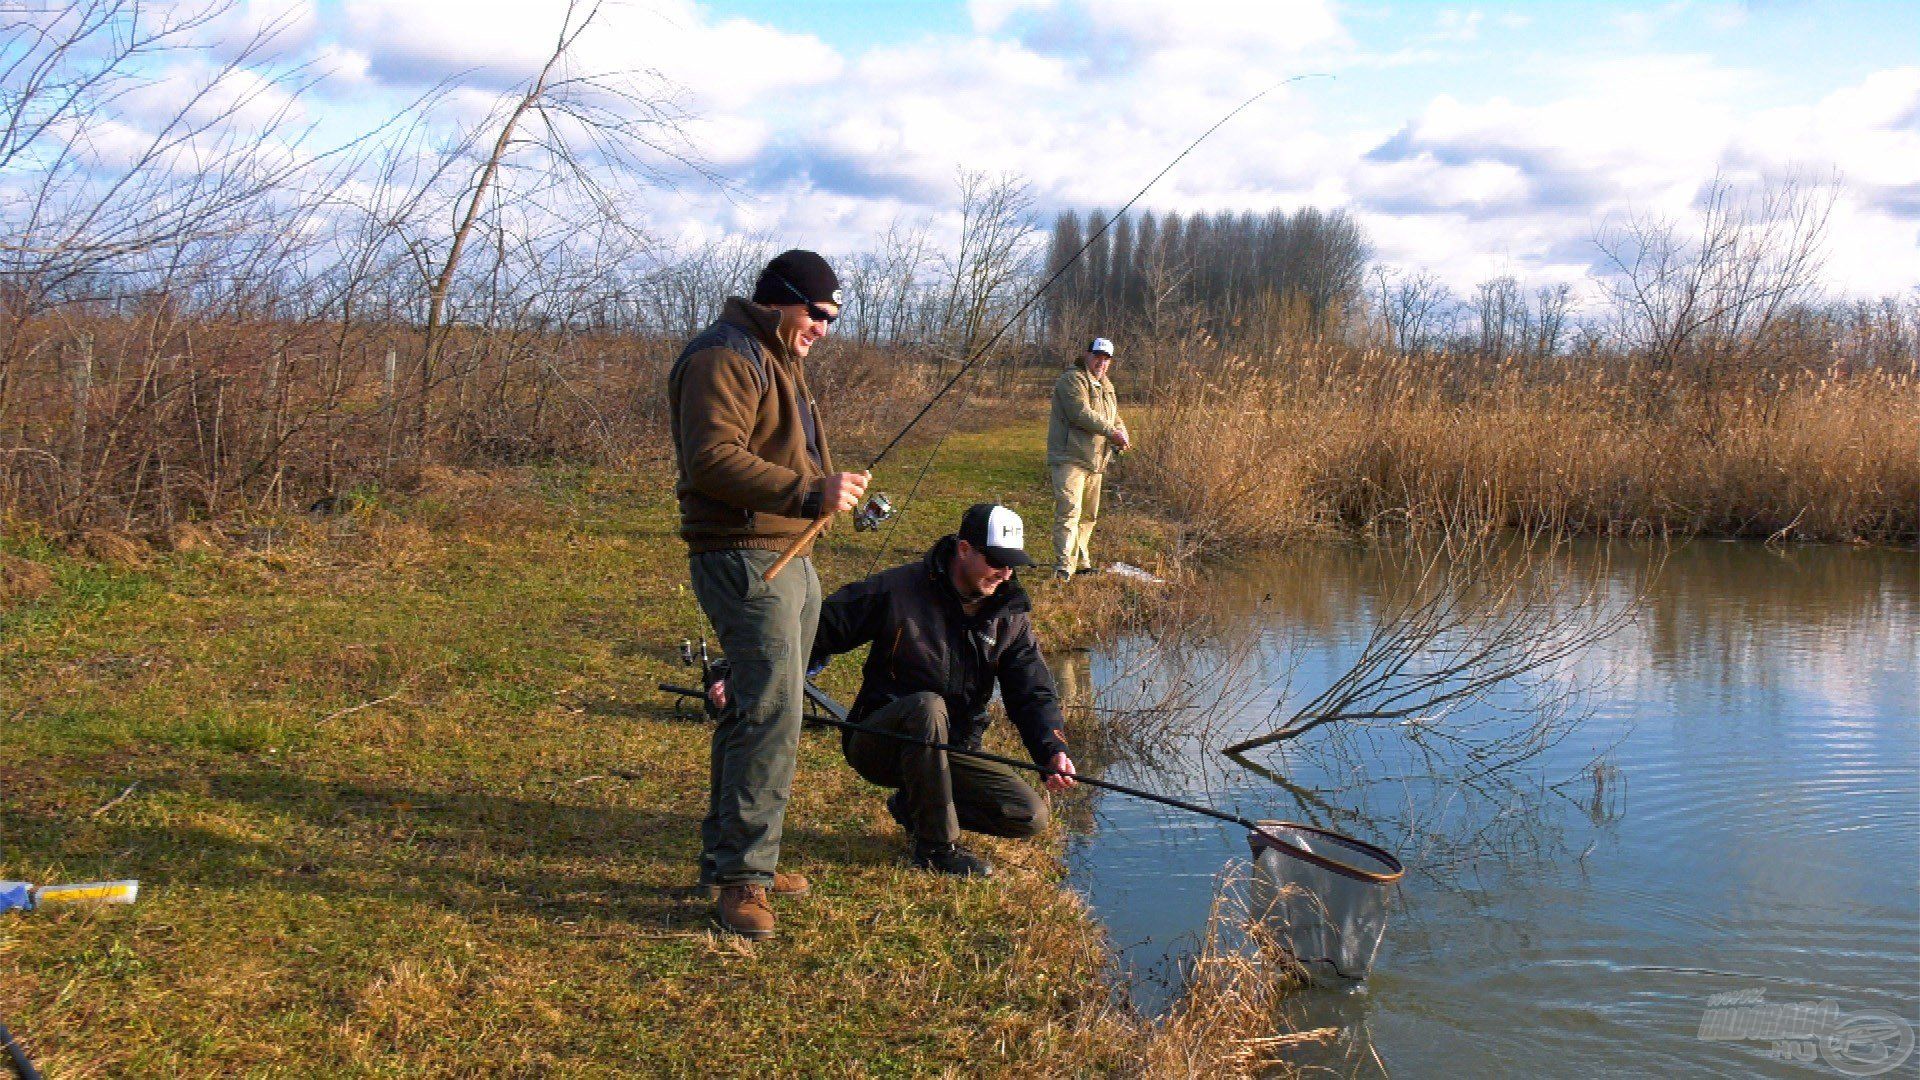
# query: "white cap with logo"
[997,533]
[1100,345]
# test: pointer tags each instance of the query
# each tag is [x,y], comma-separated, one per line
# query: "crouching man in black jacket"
[944,629]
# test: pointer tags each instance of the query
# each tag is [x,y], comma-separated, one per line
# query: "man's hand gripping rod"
[820,523]
[870,516]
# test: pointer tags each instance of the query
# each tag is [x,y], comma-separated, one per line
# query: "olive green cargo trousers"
[766,631]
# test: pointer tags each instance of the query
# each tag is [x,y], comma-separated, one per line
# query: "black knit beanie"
[796,276]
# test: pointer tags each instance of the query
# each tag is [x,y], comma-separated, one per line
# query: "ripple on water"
[1761,832]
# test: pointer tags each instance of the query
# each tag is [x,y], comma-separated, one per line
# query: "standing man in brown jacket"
[1084,422]
[754,471]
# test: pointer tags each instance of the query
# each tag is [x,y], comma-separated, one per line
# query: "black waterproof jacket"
[923,641]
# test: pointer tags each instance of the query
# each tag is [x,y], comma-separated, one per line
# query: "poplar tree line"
[1237,276]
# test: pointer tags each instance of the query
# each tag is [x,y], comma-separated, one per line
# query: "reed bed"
[1254,454]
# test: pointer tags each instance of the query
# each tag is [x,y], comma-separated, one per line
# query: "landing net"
[1323,894]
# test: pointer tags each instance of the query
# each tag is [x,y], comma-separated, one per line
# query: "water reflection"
[1741,810]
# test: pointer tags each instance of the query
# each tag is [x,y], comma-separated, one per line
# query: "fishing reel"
[712,670]
[877,512]
[715,668]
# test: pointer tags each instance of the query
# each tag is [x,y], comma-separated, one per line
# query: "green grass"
[405,800]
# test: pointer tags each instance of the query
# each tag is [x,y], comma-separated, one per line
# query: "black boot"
[950,859]
[897,809]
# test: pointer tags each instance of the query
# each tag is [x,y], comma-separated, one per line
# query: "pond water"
[1734,825]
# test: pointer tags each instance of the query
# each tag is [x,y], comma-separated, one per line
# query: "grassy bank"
[403,799]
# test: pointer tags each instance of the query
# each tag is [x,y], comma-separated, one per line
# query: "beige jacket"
[1085,415]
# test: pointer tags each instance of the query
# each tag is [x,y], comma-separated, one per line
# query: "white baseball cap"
[1101,345]
[997,533]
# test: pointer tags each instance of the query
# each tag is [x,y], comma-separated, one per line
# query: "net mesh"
[1332,921]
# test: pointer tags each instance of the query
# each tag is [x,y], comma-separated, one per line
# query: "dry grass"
[22,579]
[1227,1018]
[408,804]
[1244,457]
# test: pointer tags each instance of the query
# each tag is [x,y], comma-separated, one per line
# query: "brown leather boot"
[785,885]
[744,910]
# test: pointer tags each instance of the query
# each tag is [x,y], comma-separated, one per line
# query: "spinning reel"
[877,512]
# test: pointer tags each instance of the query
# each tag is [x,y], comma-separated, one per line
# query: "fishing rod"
[22,1065]
[874,514]
[836,715]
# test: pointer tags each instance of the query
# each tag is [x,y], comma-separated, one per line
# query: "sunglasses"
[814,311]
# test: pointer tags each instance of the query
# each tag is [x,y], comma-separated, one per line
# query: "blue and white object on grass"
[24,896]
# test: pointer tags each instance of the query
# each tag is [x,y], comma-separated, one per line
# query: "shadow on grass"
[564,858]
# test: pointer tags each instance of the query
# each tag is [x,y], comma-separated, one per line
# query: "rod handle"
[793,549]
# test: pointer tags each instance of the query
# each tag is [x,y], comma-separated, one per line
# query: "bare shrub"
[1706,296]
[1472,653]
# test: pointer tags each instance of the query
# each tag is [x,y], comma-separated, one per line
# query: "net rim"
[1259,837]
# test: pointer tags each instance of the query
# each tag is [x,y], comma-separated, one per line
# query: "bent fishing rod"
[836,715]
[879,512]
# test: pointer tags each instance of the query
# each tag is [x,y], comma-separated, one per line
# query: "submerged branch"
[1483,614]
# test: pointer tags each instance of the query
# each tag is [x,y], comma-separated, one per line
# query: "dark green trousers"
[766,631]
[944,793]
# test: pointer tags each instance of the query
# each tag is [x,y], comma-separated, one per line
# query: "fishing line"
[981,353]
[1068,265]
[886,538]
[820,523]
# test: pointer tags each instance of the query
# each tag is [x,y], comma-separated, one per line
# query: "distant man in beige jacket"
[1082,432]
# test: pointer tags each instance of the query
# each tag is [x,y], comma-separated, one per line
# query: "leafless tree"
[1551,306]
[1500,308]
[691,283]
[1704,295]
[1479,617]
[567,136]
[993,259]
[887,287]
[1416,307]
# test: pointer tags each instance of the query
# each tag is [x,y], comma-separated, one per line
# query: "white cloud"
[1459,26]
[1089,99]
[728,64]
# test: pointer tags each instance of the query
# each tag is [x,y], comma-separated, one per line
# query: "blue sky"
[1471,139]
[1420,84]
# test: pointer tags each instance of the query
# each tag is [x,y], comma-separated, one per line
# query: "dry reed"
[1229,1017]
[1248,456]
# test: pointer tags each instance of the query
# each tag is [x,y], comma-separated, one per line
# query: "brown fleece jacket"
[740,441]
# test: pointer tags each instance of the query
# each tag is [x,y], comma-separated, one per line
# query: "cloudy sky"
[1471,139]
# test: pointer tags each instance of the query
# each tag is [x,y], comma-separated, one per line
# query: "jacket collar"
[1008,599]
[761,320]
